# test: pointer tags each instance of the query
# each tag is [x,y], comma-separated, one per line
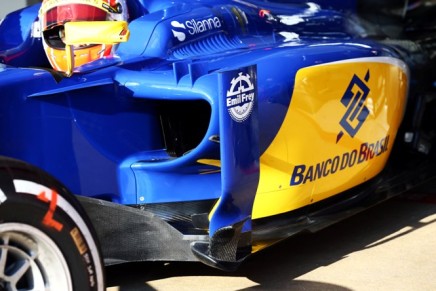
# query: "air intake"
[211,45]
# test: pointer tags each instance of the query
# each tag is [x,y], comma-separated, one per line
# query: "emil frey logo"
[193,27]
[240,97]
[354,100]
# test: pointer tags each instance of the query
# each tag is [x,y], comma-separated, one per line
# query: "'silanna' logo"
[194,26]
[181,36]
[354,100]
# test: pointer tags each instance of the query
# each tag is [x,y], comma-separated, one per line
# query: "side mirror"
[92,32]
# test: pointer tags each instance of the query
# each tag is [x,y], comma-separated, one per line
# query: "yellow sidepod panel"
[338,132]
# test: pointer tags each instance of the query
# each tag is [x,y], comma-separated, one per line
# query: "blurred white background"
[12,5]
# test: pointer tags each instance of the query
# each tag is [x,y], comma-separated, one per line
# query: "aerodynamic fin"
[72,86]
[230,222]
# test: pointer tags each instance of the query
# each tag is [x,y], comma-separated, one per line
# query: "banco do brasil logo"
[354,101]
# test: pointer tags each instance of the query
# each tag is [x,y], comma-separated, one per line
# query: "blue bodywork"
[135,129]
[99,131]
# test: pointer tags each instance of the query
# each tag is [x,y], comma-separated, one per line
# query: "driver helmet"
[55,13]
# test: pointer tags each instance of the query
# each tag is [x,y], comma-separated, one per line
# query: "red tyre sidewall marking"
[48,218]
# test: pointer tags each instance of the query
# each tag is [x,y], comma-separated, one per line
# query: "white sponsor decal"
[181,36]
[240,97]
[2,197]
[194,27]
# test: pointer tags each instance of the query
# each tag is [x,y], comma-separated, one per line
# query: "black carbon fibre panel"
[127,234]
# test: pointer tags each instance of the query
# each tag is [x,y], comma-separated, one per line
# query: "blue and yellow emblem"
[338,132]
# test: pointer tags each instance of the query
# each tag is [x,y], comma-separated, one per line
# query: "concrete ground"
[389,247]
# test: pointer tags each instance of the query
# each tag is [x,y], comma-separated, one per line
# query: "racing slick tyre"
[46,239]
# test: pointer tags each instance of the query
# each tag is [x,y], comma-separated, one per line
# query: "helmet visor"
[72,12]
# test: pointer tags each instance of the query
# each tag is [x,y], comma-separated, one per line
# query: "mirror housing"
[92,32]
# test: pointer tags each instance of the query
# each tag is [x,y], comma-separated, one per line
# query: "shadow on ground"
[278,267]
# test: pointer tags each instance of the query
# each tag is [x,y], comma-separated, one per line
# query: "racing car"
[147,130]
